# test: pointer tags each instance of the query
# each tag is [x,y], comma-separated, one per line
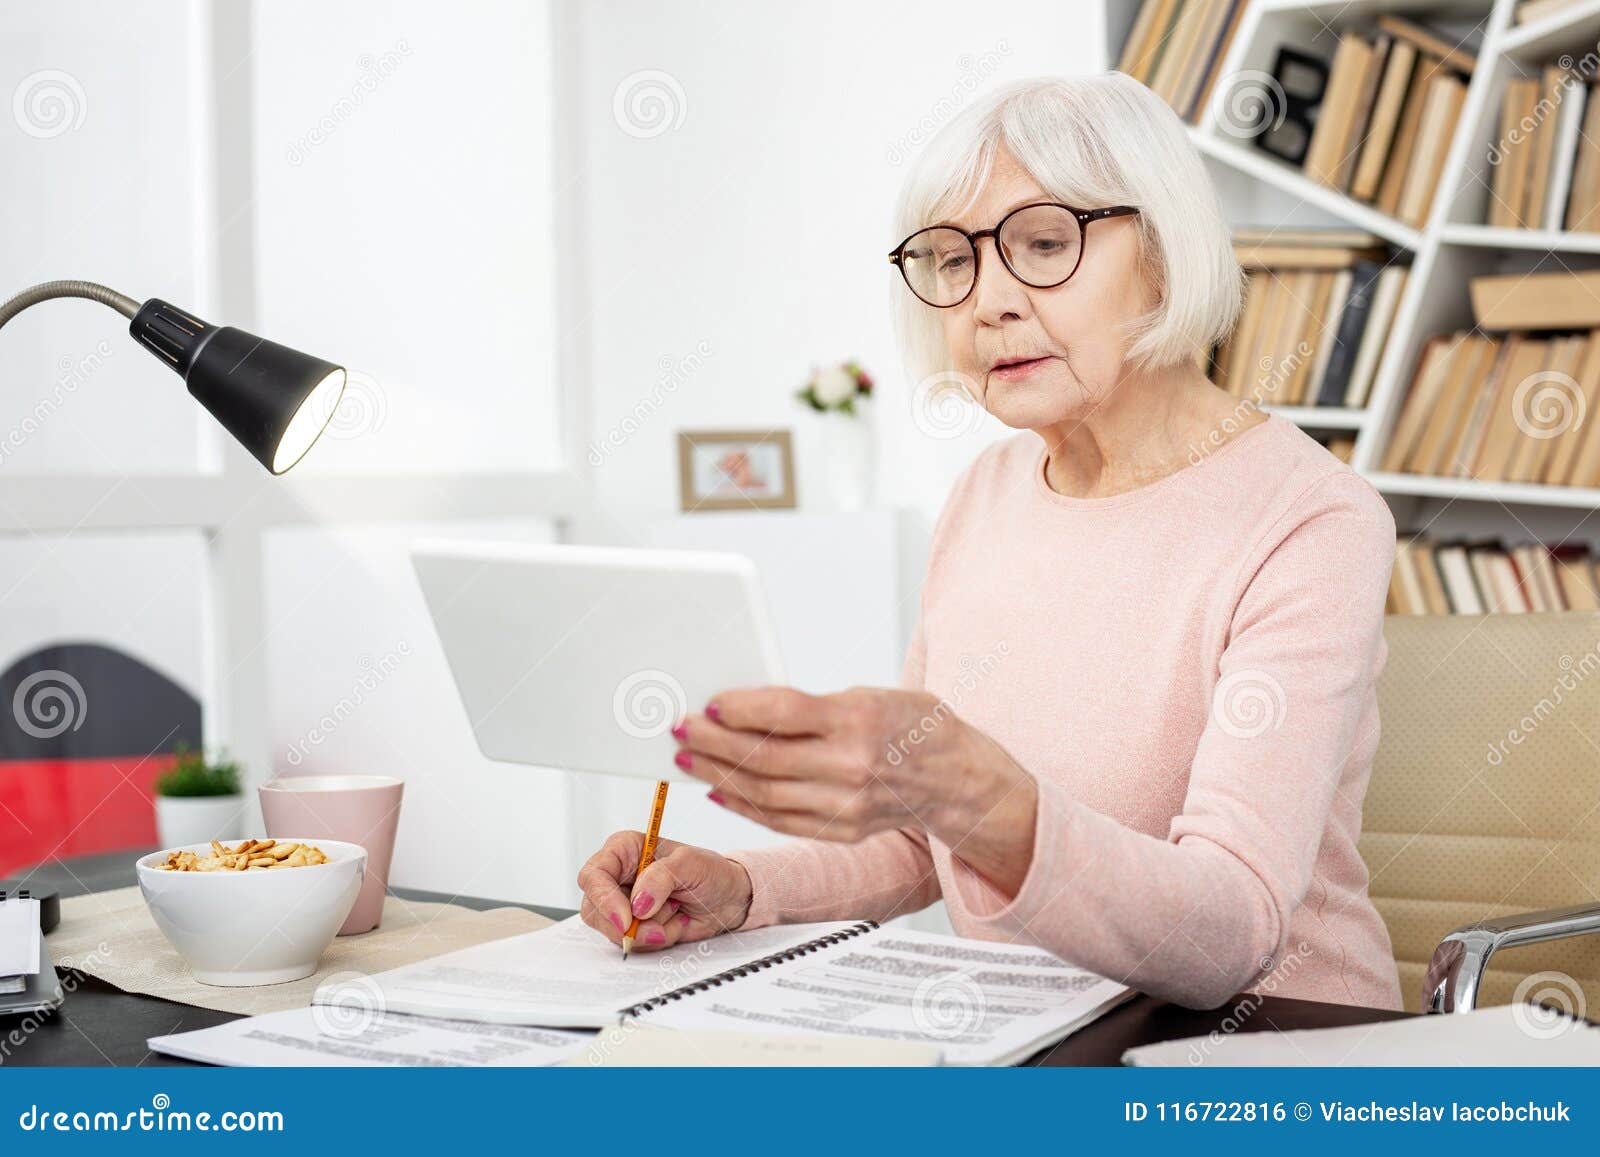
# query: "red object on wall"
[74,807]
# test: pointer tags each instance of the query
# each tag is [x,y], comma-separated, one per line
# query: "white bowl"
[261,927]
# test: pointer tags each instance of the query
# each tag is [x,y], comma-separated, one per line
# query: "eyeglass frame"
[1084,217]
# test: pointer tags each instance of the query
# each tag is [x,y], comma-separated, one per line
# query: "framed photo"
[735,470]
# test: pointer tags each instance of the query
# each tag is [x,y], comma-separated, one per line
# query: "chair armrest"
[1458,964]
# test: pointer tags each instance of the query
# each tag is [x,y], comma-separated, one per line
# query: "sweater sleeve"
[1203,914]
[878,878]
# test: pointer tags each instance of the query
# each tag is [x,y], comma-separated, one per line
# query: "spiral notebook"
[982,1003]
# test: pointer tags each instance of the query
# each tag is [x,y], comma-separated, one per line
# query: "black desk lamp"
[273,399]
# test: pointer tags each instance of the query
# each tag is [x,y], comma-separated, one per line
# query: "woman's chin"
[1035,405]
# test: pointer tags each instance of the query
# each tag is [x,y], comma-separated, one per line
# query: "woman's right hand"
[686,893]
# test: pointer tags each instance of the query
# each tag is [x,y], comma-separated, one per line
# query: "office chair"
[1481,827]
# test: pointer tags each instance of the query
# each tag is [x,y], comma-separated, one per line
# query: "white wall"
[754,215]
[405,183]
[101,157]
[391,185]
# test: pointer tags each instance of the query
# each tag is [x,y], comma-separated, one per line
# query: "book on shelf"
[1564,299]
[1515,407]
[1532,10]
[1318,307]
[1544,156]
[1388,114]
[1176,47]
[1482,577]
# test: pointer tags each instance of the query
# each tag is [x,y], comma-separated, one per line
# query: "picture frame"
[735,470]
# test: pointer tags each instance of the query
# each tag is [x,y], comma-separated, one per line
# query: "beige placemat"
[111,936]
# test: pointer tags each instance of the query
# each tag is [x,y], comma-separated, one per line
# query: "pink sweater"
[1187,670]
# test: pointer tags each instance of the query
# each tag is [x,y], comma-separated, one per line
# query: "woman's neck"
[1146,427]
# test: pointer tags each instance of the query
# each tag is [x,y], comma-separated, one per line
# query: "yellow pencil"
[646,854]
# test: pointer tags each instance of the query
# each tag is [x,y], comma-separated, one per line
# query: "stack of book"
[1388,116]
[1177,46]
[1459,578]
[1317,313]
[1545,157]
[1516,407]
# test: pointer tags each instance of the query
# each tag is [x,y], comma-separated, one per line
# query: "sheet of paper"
[319,1037]
[19,937]
[1509,1036]
[567,975]
[635,1045]
[981,1002]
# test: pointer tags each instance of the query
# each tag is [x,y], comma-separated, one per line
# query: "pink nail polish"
[617,920]
[642,903]
[684,917]
[655,936]
[683,759]
[680,730]
[716,797]
[713,712]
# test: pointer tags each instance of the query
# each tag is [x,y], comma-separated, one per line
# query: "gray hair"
[1089,141]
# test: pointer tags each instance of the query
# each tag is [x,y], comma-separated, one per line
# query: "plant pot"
[198,819]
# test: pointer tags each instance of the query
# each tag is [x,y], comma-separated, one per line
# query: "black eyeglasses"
[1040,244]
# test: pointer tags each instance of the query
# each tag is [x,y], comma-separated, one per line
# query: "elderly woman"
[1138,711]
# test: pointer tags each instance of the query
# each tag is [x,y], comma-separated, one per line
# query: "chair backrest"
[1485,793]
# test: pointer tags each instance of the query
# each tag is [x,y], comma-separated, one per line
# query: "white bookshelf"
[1452,246]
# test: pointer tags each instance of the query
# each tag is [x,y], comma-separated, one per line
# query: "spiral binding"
[731,974]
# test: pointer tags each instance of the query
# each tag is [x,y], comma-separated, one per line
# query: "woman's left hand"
[844,766]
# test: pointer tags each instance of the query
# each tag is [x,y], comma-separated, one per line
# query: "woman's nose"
[998,295]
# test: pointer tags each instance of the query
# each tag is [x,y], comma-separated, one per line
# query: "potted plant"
[840,394]
[198,800]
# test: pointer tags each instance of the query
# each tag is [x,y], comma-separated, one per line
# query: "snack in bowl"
[249,854]
[237,920]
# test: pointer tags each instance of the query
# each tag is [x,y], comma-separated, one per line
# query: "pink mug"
[358,809]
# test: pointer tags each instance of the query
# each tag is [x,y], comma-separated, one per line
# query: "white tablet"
[583,657]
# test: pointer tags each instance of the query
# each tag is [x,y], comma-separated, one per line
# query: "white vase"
[195,819]
[848,457]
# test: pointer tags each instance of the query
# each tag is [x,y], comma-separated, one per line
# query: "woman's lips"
[1016,371]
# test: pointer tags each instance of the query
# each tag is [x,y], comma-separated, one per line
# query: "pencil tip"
[627,943]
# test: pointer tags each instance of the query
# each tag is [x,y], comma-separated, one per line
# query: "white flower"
[834,385]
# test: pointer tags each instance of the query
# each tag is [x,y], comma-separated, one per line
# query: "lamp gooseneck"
[51,290]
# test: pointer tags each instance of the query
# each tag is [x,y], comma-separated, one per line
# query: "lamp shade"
[274,400]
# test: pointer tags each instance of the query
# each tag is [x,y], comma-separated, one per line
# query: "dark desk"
[101,1025]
